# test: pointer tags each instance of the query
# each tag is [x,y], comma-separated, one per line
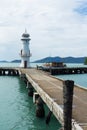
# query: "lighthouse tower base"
[25,63]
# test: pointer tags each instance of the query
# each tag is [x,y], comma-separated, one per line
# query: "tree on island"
[85,62]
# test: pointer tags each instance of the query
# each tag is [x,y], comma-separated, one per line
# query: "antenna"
[25,30]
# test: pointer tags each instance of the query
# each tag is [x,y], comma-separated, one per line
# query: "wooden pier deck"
[51,91]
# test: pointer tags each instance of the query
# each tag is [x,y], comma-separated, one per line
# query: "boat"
[54,64]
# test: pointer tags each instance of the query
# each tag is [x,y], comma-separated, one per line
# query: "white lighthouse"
[25,51]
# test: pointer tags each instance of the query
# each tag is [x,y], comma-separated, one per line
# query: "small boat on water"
[52,66]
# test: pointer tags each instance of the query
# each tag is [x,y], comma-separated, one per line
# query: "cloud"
[82,7]
[57,27]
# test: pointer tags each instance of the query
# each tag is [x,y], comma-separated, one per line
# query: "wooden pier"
[6,71]
[64,70]
[50,90]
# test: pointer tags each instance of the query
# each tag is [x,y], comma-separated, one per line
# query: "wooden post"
[48,117]
[40,112]
[0,72]
[30,89]
[17,72]
[9,72]
[3,72]
[67,100]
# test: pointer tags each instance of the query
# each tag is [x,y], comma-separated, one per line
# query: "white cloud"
[56,27]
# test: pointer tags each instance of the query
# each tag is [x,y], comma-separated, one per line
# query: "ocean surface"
[79,79]
[17,110]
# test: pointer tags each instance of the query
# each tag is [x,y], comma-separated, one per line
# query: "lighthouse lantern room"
[25,51]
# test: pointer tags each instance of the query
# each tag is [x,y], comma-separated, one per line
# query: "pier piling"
[48,117]
[40,112]
[68,86]
[30,91]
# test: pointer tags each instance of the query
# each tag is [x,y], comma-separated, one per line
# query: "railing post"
[68,86]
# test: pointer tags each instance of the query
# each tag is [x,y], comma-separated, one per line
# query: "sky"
[56,28]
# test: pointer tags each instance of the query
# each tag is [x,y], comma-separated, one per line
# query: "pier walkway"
[51,91]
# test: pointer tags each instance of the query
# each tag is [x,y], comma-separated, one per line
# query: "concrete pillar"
[40,112]
[67,100]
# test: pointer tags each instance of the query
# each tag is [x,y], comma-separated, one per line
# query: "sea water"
[79,79]
[17,110]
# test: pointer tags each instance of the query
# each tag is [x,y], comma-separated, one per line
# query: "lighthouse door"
[25,64]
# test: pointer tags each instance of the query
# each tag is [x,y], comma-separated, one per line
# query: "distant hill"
[4,61]
[48,59]
[16,61]
[59,59]
[54,59]
[74,59]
